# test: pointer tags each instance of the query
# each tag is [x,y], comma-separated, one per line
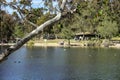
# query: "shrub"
[30,43]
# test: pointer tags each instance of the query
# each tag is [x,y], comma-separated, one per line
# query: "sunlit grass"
[115,38]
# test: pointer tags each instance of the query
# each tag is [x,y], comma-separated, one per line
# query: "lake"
[58,63]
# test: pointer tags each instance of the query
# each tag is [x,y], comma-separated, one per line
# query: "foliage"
[18,32]
[43,18]
[30,43]
[91,18]
[34,14]
[57,29]
[66,33]
[7,23]
[107,28]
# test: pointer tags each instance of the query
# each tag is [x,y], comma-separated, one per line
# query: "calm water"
[62,64]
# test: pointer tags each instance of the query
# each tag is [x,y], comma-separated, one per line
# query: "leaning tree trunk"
[19,44]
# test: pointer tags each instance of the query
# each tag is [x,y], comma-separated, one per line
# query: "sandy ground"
[46,44]
[116,46]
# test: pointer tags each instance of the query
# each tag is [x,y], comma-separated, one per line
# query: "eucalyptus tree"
[85,17]
[91,15]
[115,12]
[7,23]
[108,19]
[36,31]
[107,28]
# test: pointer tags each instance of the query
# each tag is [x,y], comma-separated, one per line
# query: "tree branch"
[11,49]
[21,14]
[24,17]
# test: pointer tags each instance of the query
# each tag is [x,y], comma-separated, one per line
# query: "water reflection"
[53,63]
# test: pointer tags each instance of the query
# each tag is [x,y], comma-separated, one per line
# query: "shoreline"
[48,44]
[117,46]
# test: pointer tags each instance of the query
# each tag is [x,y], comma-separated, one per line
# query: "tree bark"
[20,43]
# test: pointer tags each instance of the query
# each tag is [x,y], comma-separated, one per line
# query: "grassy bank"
[73,43]
[56,42]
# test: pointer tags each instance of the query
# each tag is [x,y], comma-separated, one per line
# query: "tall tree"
[34,32]
[7,25]
[107,28]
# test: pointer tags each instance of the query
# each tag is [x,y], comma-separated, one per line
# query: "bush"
[30,43]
